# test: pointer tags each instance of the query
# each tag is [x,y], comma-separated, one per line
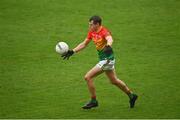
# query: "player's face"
[93,27]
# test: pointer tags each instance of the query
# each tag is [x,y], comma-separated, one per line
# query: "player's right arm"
[78,48]
[81,46]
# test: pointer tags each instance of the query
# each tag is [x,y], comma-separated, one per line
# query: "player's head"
[94,23]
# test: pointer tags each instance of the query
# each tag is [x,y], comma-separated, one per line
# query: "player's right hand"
[68,54]
[108,50]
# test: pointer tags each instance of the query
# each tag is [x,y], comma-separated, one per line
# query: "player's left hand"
[108,50]
[68,54]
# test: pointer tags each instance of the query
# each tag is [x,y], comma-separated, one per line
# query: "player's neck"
[98,29]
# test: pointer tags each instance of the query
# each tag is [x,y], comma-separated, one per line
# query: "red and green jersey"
[99,37]
[100,41]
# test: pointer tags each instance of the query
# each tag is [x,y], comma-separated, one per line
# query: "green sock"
[130,95]
[93,100]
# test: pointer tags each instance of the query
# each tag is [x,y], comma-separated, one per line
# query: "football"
[61,48]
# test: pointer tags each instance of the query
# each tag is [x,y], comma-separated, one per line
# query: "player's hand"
[108,50]
[68,54]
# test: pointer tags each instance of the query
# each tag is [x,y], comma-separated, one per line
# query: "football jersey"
[100,42]
[99,37]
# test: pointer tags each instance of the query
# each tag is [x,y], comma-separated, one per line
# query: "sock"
[130,95]
[93,98]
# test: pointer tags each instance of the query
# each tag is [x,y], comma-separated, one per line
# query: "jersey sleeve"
[89,36]
[106,33]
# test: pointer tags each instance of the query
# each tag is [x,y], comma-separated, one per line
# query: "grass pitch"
[36,83]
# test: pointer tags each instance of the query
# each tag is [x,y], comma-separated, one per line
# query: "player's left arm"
[108,48]
[109,40]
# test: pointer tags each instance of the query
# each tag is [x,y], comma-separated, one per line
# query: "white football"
[62,48]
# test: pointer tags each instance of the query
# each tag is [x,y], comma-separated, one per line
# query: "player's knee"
[87,78]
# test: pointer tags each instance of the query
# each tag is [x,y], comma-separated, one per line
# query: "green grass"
[36,83]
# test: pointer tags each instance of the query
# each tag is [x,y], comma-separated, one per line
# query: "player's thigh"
[95,71]
[111,74]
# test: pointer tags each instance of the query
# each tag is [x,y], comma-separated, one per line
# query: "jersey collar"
[99,29]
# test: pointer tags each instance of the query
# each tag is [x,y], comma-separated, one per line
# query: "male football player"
[103,40]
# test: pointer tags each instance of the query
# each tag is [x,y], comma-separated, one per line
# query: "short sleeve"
[89,36]
[106,33]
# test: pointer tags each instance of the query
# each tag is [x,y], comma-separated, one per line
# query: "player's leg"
[111,74]
[115,81]
[89,79]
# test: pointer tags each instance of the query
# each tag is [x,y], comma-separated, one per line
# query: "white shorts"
[106,64]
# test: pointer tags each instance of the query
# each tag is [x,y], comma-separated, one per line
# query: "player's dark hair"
[96,19]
